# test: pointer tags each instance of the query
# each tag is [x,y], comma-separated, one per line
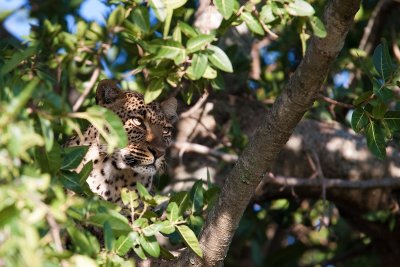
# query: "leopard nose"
[157,152]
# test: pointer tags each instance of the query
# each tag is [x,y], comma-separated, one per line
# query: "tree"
[163,48]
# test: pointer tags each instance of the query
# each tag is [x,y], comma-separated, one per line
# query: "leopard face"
[148,127]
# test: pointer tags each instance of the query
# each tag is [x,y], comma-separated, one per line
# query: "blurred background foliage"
[53,53]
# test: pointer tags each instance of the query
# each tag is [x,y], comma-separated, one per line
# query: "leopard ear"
[169,107]
[107,92]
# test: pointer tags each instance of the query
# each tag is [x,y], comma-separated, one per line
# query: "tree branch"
[197,148]
[87,90]
[333,183]
[274,131]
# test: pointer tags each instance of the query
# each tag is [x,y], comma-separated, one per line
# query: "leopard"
[149,131]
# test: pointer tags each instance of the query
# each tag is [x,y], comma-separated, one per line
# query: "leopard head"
[148,127]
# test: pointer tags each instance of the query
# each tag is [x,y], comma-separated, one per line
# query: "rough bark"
[275,129]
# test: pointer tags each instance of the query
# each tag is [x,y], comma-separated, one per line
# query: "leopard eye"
[166,131]
[137,122]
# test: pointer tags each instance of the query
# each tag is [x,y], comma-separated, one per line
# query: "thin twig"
[200,149]
[89,86]
[335,102]
[55,235]
[273,35]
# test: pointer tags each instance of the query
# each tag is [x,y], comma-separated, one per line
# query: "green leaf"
[196,222]
[72,156]
[300,8]
[363,97]
[71,181]
[218,82]
[16,59]
[124,243]
[18,102]
[154,90]
[140,16]
[198,66]
[225,7]
[211,196]
[150,245]
[174,4]
[266,14]
[198,42]
[144,194]
[47,132]
[172,212]
[382,61]
[252,23]
[392,118]
[84,242]
[187,29]
[139,250]
[116,17]
[129,197]
[177,34]
[359,119]
[379,110]
[102,119]
[197,196]
[119,223]
[83,175]
[152,229]
[159,9]
[318,27]
[165,254]
[210,73]
[190,239]
[167,49]
[108,236]
[7,214]
[376,140]
[140,223]
[219,59]
[166,227]
[381,91]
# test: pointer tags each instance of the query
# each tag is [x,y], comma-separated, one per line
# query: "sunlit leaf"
[225,7]
[150,245]
[116,17]
[198,42]
[300,8]
[154,90]
[124,243]
[159,9]
[140,16]
[172,212]
[190,239]
[198,66]
[252,23]
[219,59]
[318,27]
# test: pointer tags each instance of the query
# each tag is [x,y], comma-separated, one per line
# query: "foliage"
[155,48]
[372,114]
